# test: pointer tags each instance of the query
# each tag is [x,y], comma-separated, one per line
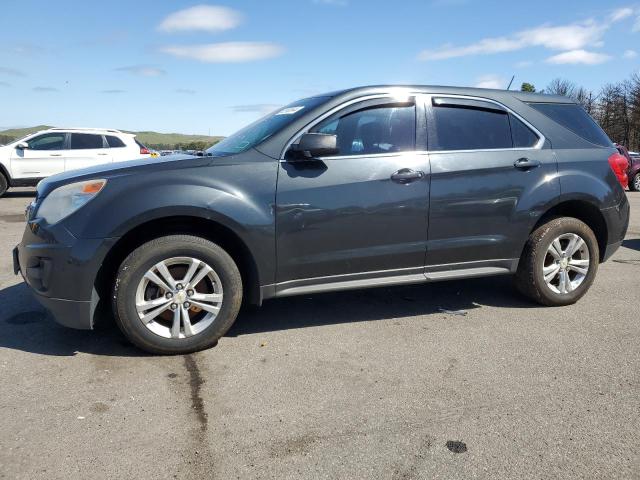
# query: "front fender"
[240,197]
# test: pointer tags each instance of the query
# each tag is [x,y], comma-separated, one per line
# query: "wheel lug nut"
[190,292]
[169,295]
[174,306]
[187,305]
[179,286]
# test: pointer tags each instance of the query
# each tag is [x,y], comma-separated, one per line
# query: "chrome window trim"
[537,146]
[406,153]
[426,98]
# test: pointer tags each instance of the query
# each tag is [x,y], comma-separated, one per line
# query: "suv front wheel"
[177,294]
[559,262]
[4,184]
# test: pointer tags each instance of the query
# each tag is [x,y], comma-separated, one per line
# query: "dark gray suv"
[358,188]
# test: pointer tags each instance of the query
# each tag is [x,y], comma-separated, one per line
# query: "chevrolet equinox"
[358,188]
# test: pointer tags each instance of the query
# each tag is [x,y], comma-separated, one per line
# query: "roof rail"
[111,130]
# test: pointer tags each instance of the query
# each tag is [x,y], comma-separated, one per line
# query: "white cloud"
[636,26]
[490,81]
[524,64]
[621,14]
[142,70]
[209,18]
[555,38]
[580,56]
[230,52]
[185,91]
[574,36]
[629,54]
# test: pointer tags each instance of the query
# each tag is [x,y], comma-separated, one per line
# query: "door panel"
[87,150]
[44,157]
[346,215]
[481,206]
[86,158]
[491,178]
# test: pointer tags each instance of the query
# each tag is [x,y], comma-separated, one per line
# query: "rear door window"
[466,127]
[86,141]
[576,119]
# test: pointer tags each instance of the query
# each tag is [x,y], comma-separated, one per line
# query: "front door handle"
[103,154]
[406,175]
[526,163]
[55,154]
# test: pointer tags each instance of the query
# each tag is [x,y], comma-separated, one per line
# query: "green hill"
[159,141]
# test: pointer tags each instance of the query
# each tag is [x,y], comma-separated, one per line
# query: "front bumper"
[61,270]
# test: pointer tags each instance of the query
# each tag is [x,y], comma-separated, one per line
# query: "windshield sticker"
[290,110]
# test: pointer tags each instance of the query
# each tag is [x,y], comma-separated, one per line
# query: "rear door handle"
[406,175]
[55,154]
[526,163]
[103,154]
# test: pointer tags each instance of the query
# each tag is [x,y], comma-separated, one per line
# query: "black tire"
[634,183]
[138,263]
[4,184]
[530,278]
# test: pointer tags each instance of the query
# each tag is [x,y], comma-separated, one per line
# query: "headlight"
[65,200]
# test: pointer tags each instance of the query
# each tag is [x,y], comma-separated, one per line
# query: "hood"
[110,170]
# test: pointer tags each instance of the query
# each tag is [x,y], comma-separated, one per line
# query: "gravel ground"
[367,384]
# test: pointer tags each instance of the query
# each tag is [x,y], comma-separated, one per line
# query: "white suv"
[28,160]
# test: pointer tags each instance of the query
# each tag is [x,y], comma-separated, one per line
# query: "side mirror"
[313,145]
[22,146]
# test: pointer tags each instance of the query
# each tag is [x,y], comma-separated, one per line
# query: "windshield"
[264,128]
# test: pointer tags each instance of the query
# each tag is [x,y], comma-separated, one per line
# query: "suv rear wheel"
[4,184]
[177,294]
[634,183]
[559,262]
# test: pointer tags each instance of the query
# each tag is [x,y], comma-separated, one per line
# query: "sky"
[211,68]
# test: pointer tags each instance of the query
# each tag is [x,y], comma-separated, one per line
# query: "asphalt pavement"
[462,379]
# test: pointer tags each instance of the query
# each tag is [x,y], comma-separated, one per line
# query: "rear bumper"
[617,220]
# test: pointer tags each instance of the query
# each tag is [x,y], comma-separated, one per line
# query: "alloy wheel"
[179,297]
[566,263]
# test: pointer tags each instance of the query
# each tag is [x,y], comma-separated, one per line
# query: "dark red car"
[633,168]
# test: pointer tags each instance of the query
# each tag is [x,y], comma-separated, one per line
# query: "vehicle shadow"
[632,243]
[445,298]
[25,326]
[20,194]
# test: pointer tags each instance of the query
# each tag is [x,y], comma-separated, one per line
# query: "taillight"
[619,165]
[144,151]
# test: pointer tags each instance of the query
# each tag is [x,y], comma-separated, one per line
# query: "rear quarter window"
[114,142]
[574,118]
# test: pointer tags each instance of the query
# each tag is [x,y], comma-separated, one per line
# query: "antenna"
[509,87]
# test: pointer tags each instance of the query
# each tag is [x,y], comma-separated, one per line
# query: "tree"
[527,87]
[560,86]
